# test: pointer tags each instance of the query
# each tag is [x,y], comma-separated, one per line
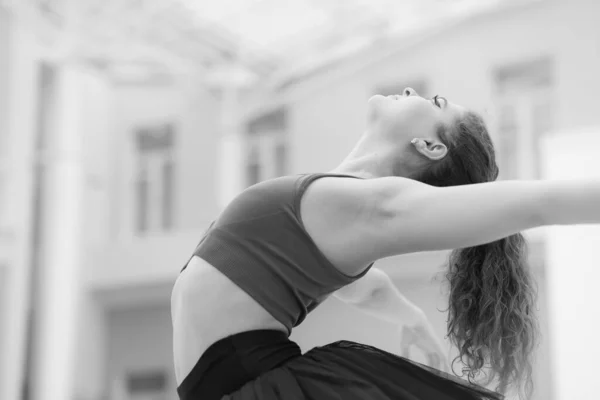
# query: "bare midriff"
[206,307]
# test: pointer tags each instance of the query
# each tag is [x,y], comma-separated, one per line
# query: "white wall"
[327,109]
[22,63]
[4,241]
[117,256]
[4,304]
[327,114]
[96,131]
[194,112]
[335,320]
[4,95]
[91,350]
[574,272]
[123,269]
[148,261]
[140,340]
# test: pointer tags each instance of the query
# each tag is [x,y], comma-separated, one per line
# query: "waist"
[235,360]
[201,287]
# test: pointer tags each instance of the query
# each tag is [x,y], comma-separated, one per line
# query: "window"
[3,198]
[525,110]
[253,165]
[142,199]
[266,147]
[167,194]
[154,181]
[280,159]
[149,385]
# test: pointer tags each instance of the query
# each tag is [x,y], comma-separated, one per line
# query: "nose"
[409,92]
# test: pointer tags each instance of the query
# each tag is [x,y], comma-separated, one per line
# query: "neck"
[371,166]
[372,159]
[366,166]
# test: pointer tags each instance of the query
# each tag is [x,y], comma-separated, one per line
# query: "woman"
[283,246]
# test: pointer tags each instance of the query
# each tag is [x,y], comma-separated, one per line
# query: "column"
[61,258]
[230,80]
[20,130]
[573,274]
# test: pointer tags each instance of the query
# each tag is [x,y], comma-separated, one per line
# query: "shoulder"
[345,217]
[361,197]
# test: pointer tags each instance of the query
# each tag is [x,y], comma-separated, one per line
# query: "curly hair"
[492,295]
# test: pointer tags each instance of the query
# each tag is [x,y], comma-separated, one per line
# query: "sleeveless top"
[259,242]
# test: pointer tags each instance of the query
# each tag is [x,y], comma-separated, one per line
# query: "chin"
[376,102]
[375,105]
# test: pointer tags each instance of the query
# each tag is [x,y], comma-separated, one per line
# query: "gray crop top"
[260,244]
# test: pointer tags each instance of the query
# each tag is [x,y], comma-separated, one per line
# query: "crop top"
[259,242]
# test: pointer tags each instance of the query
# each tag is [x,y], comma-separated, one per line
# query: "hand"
[423,337]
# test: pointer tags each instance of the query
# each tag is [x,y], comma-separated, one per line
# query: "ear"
[430,148]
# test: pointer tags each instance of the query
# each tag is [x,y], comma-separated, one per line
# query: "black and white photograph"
[299,199]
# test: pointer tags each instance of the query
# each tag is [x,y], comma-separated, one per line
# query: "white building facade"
[106,185]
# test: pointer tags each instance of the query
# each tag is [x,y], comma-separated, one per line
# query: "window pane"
[523,90]
[525,76]
[268,122]
[3,198]
[266,138]
[146,382]
[142,200]
[155,185]
[167,195]
[542,116]
[280,159]
[542,124]
[253,169]
[155,139]
[508,143]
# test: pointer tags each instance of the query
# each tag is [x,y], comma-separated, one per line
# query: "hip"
[207,307]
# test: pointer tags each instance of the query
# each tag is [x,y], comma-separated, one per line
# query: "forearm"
[571,202]
[386,302]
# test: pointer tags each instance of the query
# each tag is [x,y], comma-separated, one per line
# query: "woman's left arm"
[376,295]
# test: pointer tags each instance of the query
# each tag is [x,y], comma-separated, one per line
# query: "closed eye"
[436,100]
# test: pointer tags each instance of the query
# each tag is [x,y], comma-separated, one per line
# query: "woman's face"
[411,116]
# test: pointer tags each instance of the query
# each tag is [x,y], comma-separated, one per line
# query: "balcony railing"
[151,260]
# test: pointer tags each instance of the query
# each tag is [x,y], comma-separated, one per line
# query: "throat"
[366,167]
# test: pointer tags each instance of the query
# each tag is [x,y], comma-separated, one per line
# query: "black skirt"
[266,365]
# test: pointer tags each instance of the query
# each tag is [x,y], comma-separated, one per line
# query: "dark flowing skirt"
[266,365]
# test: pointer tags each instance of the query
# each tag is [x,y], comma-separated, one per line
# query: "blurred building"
[110,172]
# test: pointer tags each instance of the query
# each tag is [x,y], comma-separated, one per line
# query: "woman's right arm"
[392,216]
[419,217]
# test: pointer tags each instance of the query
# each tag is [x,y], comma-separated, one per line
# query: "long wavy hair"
[492,297]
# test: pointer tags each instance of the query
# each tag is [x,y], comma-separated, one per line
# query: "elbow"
[380,289]
[363,290]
